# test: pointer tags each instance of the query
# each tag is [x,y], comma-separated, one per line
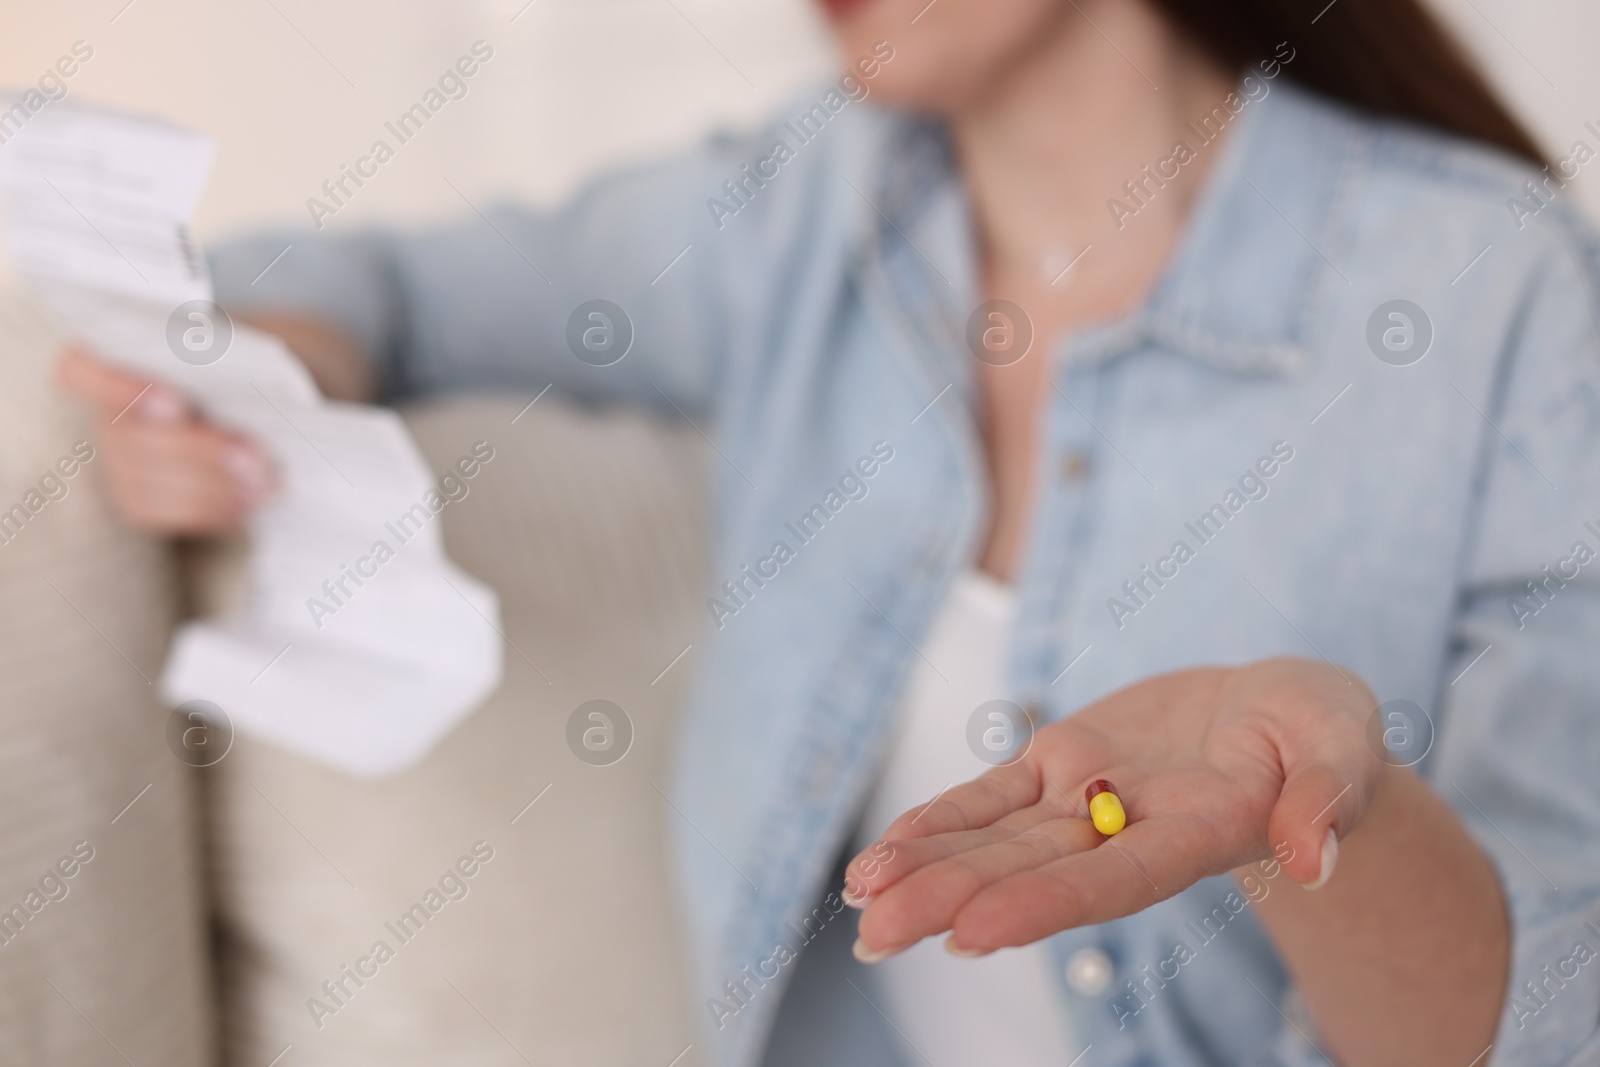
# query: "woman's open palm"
[1216,767]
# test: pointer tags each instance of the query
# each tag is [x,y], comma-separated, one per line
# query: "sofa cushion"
[107,964]
[560,946]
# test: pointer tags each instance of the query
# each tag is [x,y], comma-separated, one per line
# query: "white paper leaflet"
[365,673]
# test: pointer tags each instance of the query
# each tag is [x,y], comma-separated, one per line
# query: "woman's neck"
[1103,94]
[1085,109]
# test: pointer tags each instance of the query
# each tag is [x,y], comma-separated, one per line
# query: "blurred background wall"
[292,89]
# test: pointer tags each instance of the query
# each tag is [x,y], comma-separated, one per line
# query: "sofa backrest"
[591,528]
[115,951]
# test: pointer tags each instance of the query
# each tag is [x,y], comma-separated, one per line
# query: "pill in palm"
[1105,807]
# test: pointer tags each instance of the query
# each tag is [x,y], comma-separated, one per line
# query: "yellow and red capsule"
[1105,807]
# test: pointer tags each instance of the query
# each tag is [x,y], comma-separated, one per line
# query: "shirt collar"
[1239,291]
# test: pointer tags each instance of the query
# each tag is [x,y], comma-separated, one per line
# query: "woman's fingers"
[183,478]
[971,806]
[932,879]
[1150,861]
[1061,751]
[1319,805]
[1331,767]
[167,470]
[112,393]
[1047,868]
[891,860]
[999,797]
[1274,758]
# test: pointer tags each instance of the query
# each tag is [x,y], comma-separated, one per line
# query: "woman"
[1215,435]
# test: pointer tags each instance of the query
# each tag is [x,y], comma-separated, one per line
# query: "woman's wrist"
[336,363]
[1378,951]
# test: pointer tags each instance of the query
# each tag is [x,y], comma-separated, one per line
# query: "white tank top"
[957,1012]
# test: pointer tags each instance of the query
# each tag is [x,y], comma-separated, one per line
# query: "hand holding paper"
[360,644]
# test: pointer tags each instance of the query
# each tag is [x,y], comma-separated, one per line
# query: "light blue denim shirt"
[1337,497]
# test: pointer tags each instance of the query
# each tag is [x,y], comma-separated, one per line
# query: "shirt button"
[1089,972]
[1074,466]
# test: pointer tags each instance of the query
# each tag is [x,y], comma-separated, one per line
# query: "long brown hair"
[1390,57]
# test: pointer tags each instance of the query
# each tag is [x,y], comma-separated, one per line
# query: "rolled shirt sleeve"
[484,302]
[1516,729]
[1518,743]
[491,301]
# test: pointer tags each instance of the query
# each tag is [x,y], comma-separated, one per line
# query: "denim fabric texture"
[1337,498]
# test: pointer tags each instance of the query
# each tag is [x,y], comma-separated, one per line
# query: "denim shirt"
[1410,491]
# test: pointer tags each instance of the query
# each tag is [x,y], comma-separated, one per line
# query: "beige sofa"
[550,937]
[118,966]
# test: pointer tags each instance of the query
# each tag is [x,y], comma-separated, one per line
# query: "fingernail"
[158,405]
[867,955]
[1330,856]
[951,947]
[852,900]
[248,471]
